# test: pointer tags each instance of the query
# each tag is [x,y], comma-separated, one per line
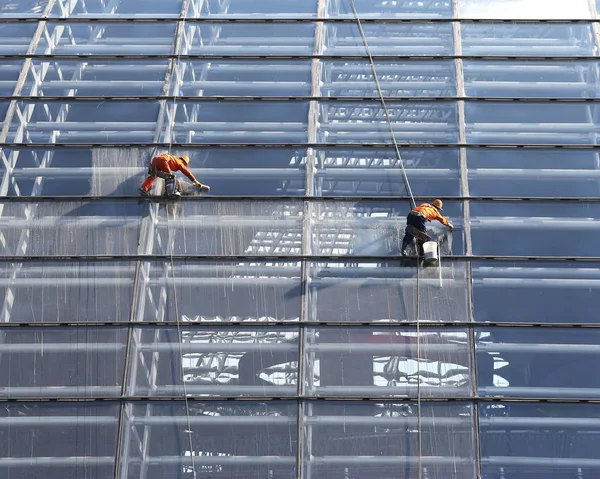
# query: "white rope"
[412,199]
[171,240]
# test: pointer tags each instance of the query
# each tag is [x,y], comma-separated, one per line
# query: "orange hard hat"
[185,158]
[438,204]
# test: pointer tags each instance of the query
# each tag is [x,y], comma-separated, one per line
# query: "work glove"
[197,184]
[451,226]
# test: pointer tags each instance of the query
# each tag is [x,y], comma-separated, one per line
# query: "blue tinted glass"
[537,362]
[258,8]
[524,441]
[99,8]
[9,72]
[533,173]
[370,9]
[15,38]
[535,229]
[524,9]
[535,292]
[23,8]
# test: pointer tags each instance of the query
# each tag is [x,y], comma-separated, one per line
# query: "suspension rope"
[175,70]
[413,203]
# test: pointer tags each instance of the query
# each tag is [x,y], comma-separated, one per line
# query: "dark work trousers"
[419,222]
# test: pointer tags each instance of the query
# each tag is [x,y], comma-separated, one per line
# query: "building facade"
[270,329]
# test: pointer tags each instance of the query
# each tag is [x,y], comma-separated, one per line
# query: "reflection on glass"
[201,291]
[538,362]
[558,173]
[538,292]
[215,362]
[522,441]
[9,73]
[99,8]
[50,440]
[524,9]
[62,362]
[59,292]
[383,362]
[23,8]
[242,439]
[513,228]
[15,38]
[387,292]
[258,8]
[370,9]
[372,439]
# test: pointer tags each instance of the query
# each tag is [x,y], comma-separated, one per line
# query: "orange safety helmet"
[185,158]
[438,204]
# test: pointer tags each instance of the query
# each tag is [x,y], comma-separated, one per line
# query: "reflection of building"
[270,331]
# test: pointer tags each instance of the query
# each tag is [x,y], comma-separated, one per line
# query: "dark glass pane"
[535,441]
[387,292]
[227,439]
[201,291]
[58,440]
[536,292]
[62,362]
[384,362]
[558,173]
[385,440]
[538,362]
[249,361]
[514,228]
[59,292]
[9,73]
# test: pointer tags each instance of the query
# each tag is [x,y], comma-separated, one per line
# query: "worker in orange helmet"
[419,217]
[163,166]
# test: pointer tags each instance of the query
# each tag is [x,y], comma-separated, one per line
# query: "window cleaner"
[163,166]
[416,224]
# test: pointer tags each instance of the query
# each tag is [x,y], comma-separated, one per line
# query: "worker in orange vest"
[419,217]
[163,166]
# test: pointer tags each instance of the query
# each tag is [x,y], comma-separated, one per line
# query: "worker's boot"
[171,188]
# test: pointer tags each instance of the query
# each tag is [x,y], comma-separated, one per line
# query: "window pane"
[229,439]
[22,8]
[99,8]
[249,361]
[371,9]
[375,228]
[250,38]
[106,38]
[95,78]
[385,362]
[515,228]
[399,78]
[278,78]
[525,441]
[514,172]
[538,362]
[526,9]
[531,79]
[9,73]
[258,8]
[531,123]
[539,292]
[58,440]
[371,439]
[62,362]
[522,39]
[70,228]
[117,171]
[59,292]
[387,292]
[369,172]
[15,37]
[201,291]
[351,122]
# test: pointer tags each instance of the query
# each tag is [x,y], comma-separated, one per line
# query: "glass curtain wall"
[270,329]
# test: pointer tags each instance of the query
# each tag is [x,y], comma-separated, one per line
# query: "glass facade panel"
[15,38]
[52,440]
[374,439]
[542,292]
[559,173]
[532,123]
[100,9]
[386,292]
[535,229]
[528,39]
[62,362]
[369,9]
[22,9]
[382,362]
[248,439]
[70,228]
[537,362]
[524,441]
[60,292]
[244,361]
[208,291]
[524,9]
[9,73]
[357,171]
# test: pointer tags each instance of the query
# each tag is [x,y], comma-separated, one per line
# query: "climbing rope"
[413,203]
[171,237]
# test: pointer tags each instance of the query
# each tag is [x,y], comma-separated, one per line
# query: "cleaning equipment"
[430,252]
